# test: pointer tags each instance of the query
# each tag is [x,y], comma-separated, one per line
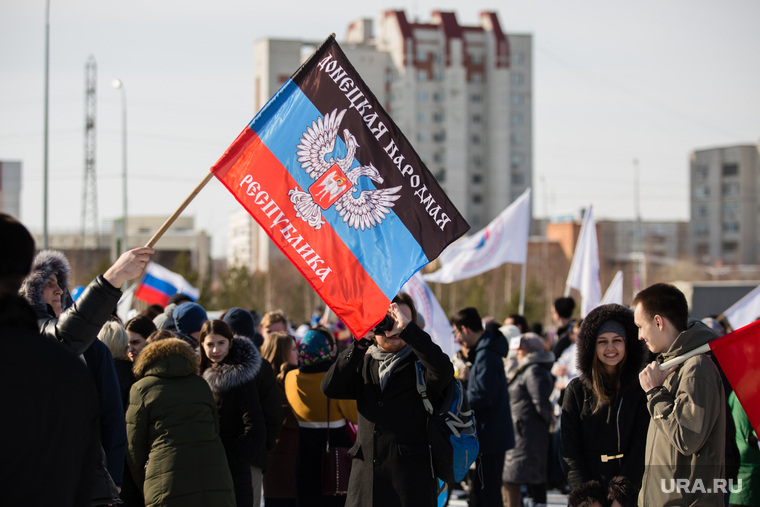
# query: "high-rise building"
[724,205]
[461,94]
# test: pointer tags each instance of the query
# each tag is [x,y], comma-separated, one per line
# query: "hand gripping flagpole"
[169,221]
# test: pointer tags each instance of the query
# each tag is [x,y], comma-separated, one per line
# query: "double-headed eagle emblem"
[336,181]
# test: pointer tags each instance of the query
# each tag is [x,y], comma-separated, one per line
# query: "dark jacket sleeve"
[438,368]
[633,463]
[343,381]
[253,438]
[571,436]
[269,399]
[480,392]
[113,430]
[539,386]
[78,326]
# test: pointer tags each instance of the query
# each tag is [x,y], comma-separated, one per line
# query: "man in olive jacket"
[392,464]
[685,449]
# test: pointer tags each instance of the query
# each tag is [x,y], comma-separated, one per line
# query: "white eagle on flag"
[336,181]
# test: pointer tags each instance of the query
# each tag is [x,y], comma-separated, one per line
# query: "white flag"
[584,270]
[436,322]
[614,292]
[504,240]
[744,311]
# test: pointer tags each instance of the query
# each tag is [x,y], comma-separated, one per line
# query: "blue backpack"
[451,431]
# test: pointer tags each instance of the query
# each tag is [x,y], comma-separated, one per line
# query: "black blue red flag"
[325,171]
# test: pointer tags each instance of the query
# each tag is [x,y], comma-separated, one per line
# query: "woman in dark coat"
[281,351]
[175,454]
[604,420]
[530,386]
[227,364]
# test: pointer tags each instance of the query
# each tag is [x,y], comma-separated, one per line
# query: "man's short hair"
[469,318]
[273,317]
[586,495]
[564,307]
[402,298]
[16,255]
[622,491]
[666,300]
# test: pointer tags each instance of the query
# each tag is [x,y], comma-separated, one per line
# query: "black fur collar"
[241,365]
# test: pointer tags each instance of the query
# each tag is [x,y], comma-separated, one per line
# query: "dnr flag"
[325,171]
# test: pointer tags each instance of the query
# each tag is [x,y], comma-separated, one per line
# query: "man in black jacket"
[392,462]
[50,443]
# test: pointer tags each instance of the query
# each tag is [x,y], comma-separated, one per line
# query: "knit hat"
[314,349]
[612,326]
[528,341]
[189,318]
[240,321]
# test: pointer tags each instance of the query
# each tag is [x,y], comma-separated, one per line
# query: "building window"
[476,59]
[516,139]
[438,157]
[700,173]
[439,96]
[731,209]
[518,99]
[517,78]
[475,139]
[440,175]
[730,169]
[476,178]
[439,116]
[477,161]
[702,192]
[422,96]
[476,98]
[422,55]
[701,229]
[438,76]
[518,58]
[476,77]
[730,189]
[422,75]
[731,228]
[518,178]
[439,137]
[421,117]
[702,211]
[517,119]
[476,118]
[421,137]
[477,198]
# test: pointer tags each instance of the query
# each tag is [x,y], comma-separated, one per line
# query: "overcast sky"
[613,82]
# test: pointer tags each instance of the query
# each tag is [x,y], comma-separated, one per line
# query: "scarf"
[388,361]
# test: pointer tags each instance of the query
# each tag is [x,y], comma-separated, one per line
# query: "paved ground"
[554,499]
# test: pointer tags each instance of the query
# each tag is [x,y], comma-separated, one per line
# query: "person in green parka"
[174,450]
[748,491]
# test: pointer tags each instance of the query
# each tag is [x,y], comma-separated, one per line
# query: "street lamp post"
[120,85]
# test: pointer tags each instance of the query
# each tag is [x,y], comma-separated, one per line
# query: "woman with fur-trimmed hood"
[230,365]
[604,421]
[175,453]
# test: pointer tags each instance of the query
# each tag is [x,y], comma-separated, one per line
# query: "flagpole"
[169,221]
[521,310]
[682,358]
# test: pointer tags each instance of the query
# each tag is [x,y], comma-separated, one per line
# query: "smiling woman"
[604,417]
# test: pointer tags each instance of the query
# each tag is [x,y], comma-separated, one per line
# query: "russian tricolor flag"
[159,284]
[339,189]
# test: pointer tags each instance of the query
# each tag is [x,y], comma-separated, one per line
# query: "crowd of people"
[172,408]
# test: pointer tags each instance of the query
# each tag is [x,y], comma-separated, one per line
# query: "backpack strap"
[422,388]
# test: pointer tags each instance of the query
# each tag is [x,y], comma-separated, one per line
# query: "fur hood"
[634,349]
[46,264]
[170,357]
[241,365]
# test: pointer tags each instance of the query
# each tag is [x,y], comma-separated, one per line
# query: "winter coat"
[601,444]
[126,379]
[269,399]
[279,480]
[77,327]
[749,468]
[686,436]
[79,324]
[50,443]
[532,413]
[241,422]
[488,395]
[391,463]
[313,411]
[175,453]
